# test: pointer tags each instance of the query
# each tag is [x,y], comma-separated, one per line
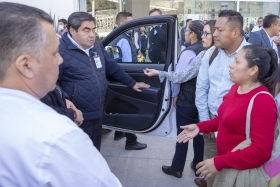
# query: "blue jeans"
[186,116]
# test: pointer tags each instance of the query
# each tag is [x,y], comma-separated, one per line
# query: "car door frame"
[165,119]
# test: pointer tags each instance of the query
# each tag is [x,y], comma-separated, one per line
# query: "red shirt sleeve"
[263,120]
[209,125]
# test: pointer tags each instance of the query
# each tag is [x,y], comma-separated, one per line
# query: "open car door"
[151,110]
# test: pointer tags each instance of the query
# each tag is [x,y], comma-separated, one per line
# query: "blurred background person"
[110,52]
[62,26]
[277,42]
[141,41]
[183,30]
[259,25]
[157,40]
[115,53]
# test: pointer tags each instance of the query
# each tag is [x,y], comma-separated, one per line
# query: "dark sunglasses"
[204,33]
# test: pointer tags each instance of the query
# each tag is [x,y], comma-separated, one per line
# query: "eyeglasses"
[204,33]
[260,21]
[188,31]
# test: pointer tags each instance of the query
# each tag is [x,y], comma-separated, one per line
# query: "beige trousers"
[242,178]
[210,151]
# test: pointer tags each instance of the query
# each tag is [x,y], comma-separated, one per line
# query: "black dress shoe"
[167,170]
[194,169]
[119,136]
[137,146]
[200,182]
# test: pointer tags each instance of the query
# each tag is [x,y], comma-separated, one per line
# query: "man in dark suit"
[56,100]
[264,37]
[157,40]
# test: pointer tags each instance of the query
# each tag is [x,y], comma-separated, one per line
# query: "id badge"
[97,61]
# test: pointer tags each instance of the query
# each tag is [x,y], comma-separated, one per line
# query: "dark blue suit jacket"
[85,83]
[260,38]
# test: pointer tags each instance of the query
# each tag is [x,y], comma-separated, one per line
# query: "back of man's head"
[20,32]
[122,17]
[235,20]
[155,10]
[76,19]
[64,21]
[188,20]
[269,20]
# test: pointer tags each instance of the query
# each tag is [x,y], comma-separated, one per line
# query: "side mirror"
[114,52]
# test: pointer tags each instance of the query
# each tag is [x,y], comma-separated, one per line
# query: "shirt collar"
[243,43]
[76,44]
[270,38]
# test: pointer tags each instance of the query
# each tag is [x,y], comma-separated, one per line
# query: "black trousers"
[131,139]
[93,129]
[185,116]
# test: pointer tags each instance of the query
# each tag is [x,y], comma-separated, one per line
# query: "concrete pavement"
[143,168]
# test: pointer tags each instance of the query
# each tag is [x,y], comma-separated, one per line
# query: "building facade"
[106,10]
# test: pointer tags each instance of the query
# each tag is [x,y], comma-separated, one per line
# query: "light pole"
[120,5]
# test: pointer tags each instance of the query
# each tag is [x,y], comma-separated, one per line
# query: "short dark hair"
[64,21]
[21,32]
[155,10]
[260,18]
[76,19]
[196,27]
[267,62]
[211,24]
[121,16]
[269,20]
[188,20]
[235,19]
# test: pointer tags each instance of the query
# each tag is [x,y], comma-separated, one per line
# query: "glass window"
[144,44]
[104,11]
[206,10]
[251,11]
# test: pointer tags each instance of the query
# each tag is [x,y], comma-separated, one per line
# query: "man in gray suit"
[264,37]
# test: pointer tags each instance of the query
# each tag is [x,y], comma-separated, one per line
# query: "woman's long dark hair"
[211,24]
[196,27]
[267,62]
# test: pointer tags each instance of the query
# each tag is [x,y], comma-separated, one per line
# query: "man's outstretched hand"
[139,85]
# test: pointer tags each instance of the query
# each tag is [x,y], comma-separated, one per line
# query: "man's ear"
[72,31]
[236,32]
[24,65]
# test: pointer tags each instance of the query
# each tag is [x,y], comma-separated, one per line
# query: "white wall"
[61,8]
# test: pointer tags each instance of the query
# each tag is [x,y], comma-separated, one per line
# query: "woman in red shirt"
[253,70]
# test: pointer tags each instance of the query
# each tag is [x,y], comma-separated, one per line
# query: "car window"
[143,44]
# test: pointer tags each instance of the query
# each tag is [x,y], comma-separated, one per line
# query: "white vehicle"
[151,111]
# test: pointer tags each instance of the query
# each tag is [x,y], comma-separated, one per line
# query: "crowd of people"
[219,77]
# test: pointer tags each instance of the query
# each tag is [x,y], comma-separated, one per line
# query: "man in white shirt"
[39,147]
[259,25]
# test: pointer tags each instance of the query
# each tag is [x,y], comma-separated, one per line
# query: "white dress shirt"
[40,147]
[273,45]
[80,47]
[256,28]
